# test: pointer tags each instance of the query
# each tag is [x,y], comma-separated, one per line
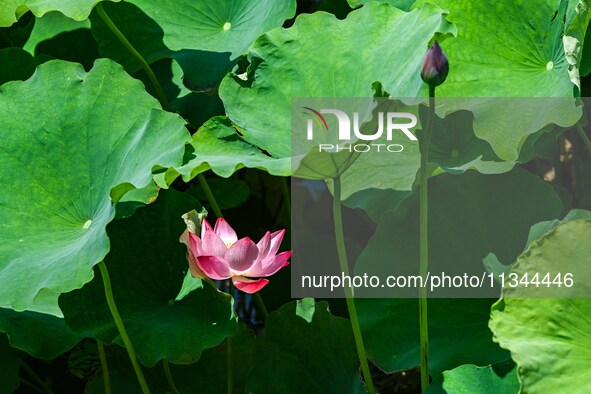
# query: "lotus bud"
[435,66]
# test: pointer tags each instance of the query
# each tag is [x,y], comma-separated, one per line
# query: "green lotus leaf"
[305,337]
[136,198]
[404,5]
[147,264]
[498,378]
[491,261]
[70,138]
[17,34]
[12,10]
[497,212]
[142,32]
[549,337]
[51,25]
[204,37]
[390,329]
[195,107]
[508,203]
[39,334]
[222,26]
[57,36]
[325,166]
[497,54]
[321,56]
[206,376]
[218,146]
[10,359]
[16,65]
[375,202]
[456,149]
[45,302]
[229,193]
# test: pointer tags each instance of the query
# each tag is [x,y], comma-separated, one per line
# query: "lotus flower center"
[228,244]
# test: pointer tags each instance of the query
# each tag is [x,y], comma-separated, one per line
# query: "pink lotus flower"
[219,254]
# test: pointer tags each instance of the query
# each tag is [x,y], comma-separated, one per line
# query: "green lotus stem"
[584,137]
[121,328]
[424,243]
[342,253]
[36,378]
[169,378]
[104,367]
[111,25]
[209,195]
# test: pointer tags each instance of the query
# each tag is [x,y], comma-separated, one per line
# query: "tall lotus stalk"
[433,72]
[342,253]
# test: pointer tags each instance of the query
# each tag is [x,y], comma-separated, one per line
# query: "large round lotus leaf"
[218,146]
[499,53]
[455,148]
[147,264]
[205,37]
[493,264]
[390,330]
[39,334]
[11,10]
[496,213]
[549,338]
[321,56]
[220,26]
[68,138]
[305,337]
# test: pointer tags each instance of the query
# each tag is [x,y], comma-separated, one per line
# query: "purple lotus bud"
[435,66]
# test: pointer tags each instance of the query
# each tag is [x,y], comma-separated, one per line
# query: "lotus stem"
[209,195]
[424,242]
[104,366]
[342,253]
[121,37]
[121,328]
[169,378]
